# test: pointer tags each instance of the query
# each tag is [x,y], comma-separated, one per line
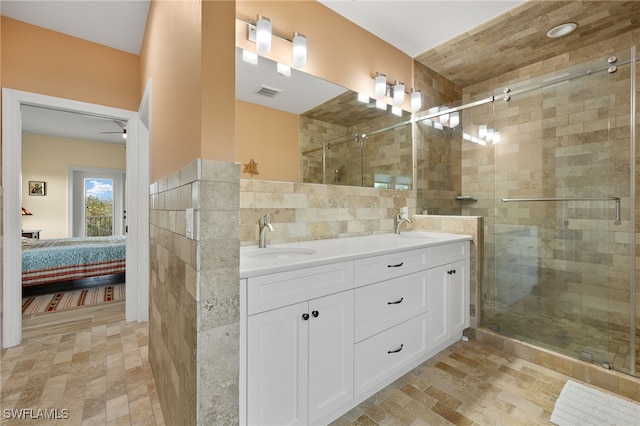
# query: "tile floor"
[101,375]
[94,374]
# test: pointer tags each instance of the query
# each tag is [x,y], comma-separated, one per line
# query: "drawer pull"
[395,351]
[395,266]
[396,302]
[315,314]
[305,316]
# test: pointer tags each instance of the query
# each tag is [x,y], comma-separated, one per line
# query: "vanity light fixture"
[263,35]
[416,100]
[395,91]
[379,85]
[299,50]
[398,93]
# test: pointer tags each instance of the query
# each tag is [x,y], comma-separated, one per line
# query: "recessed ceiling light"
[561,30]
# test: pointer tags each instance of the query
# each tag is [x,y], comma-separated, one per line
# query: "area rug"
[582,405]
[72,299]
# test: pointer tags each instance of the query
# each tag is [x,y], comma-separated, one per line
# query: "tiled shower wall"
[194,295]
[550,140]
[438,152]
[352,161]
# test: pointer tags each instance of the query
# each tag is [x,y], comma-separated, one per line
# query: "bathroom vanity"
[325,324]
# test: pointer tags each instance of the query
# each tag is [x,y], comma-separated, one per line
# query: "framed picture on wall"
[37,187]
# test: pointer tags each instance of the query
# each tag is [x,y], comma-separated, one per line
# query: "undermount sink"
[279,253]
[417,234]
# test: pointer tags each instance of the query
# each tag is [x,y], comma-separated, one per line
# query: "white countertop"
[335,250]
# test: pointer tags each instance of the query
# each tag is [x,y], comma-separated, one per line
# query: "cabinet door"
[458,289]
[438,306]
[277,365]
[330,354]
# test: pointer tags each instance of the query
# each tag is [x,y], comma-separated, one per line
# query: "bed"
[66,259]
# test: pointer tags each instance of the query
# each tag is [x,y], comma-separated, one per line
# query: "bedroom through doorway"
[74,256]
[47,220]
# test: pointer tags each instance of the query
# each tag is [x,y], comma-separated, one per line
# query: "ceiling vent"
[267,91]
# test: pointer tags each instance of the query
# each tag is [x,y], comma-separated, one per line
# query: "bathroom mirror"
[334,138]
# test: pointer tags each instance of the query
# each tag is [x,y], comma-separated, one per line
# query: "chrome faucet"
[264,225]
[400,220]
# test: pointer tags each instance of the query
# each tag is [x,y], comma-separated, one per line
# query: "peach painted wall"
[188,53]
[42,61]
[170,57]
[339,51]
[270,138]
[218,80]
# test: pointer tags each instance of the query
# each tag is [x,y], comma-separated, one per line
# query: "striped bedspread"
[49,261]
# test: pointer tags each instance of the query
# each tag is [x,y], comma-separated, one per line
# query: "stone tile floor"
[97,375]
[101,375]
[467,384]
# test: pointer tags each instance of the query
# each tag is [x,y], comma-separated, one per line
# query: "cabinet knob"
[315,314]
[305,316]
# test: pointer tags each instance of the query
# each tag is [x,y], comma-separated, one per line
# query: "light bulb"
[416,101]
[380,86]
[299,50]
[489,137]
[454,120]
[398,93]
[444,117]
[482,131]
[263,35]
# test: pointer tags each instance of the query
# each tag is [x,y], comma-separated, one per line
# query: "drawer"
[382,305]
[441,255]
[285,288]
[378,358]
[380,268]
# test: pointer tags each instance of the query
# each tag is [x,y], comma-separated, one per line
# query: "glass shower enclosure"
[557,190]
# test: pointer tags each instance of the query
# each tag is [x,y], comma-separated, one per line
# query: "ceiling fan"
[123,132]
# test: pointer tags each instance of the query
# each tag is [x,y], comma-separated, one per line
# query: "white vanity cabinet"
[448,293]
[319,338]
[300,356]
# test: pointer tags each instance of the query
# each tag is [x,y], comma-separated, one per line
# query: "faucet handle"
[264,220]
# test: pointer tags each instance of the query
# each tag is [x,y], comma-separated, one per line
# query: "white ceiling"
[411,26]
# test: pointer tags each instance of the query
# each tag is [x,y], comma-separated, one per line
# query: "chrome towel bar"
[612,198]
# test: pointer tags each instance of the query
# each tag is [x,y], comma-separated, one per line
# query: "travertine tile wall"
[194,297]
[569,140]
[302,211]
[438,152]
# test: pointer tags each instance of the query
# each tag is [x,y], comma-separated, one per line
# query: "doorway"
[136,190]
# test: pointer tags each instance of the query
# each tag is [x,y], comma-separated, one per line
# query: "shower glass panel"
[558,269]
